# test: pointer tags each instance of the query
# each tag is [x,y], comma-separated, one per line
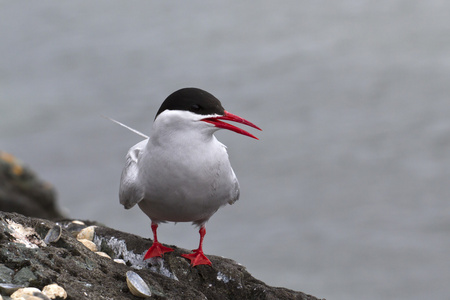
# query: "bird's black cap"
[194,100]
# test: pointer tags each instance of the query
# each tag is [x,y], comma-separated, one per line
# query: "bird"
[181,172]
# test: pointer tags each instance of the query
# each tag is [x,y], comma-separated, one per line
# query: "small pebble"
[9,288]
[54,291]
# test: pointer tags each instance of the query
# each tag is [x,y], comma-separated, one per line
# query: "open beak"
[216,121]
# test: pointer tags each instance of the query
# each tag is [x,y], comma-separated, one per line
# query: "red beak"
[230,117]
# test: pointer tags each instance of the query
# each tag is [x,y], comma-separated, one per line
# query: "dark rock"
[24,276]
[5,274]
[23,192]
[87,275]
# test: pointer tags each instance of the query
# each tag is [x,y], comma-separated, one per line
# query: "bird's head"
[194,108]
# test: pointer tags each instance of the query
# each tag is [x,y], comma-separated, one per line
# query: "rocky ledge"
[27,260]
[90,261]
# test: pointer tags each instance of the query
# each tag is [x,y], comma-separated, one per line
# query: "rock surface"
[25,260]
[23,192]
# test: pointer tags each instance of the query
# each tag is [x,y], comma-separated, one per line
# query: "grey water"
[345,195]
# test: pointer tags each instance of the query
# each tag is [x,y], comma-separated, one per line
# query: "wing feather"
[130,191]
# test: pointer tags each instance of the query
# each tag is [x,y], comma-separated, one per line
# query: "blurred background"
[346,194]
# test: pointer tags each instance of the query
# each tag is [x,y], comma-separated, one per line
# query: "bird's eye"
[195,107]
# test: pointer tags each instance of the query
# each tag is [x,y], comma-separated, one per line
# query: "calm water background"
[345,196]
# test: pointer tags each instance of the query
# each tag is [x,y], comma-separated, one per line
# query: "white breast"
[186,174]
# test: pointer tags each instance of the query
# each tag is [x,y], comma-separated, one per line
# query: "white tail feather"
[127,127]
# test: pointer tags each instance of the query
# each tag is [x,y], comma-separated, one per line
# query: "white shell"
[88,244]
[53,234]
[137,285]
[103,254]
[25,293]
[78,222]
[24,235]
[75,227]
[53,291]
[119,261]
[86,233]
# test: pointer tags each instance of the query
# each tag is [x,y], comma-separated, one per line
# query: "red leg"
[198,257]
[156,249]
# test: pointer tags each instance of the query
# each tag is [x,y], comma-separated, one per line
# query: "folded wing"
[130,191]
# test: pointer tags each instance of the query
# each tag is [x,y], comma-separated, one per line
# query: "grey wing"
[236,192]
[130,191]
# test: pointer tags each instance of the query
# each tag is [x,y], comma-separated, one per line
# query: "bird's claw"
[197,258]
[157,249]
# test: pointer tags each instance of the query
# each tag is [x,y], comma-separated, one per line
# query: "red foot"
[156,250]
[197,258]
